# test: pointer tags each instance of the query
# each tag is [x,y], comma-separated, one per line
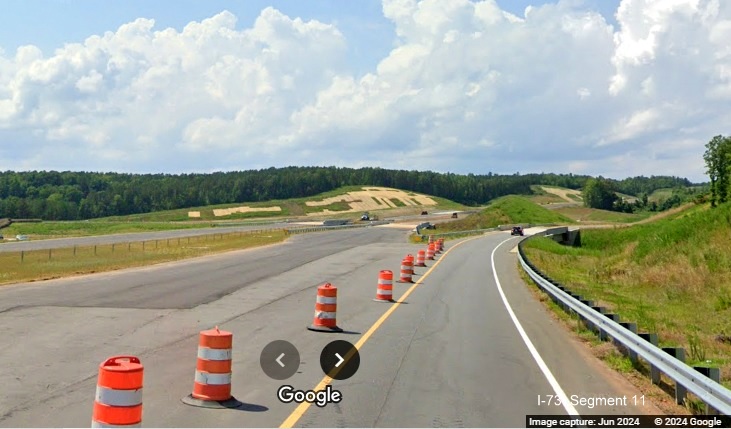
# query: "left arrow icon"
[279,360]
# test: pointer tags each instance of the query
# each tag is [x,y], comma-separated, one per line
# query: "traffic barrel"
[431,239]
[406,270]
[430,252]
[384,291]
[420,259]
[212,381]
[410,258]
[325,310]
[118,399]
[440,244]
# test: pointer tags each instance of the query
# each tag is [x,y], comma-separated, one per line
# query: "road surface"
[449,355]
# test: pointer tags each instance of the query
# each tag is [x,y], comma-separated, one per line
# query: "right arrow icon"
[339,360]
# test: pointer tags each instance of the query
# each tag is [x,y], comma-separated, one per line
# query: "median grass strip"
[55,263]
[669,276]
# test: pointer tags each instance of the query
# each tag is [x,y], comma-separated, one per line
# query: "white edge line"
[541,364]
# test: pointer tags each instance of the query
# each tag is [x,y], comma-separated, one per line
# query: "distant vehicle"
[454,215]
[21,237]
[424,213]
[424,225]
[365,216]
[1,237]
[517,230]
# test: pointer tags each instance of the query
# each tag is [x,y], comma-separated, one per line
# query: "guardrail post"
[602,333]
[715,375]
[632,326]
[614,317]
[652,339]
[679,354]
[587,323]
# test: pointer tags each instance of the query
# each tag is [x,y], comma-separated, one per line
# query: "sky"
[617,88]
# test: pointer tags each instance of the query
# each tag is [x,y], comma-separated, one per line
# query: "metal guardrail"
[458,233]
[307,229]
[485,230]
[707,390]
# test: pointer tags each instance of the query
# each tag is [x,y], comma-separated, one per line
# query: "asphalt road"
[449,355]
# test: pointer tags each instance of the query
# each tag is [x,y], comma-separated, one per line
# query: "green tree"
[599,194]
[717,161]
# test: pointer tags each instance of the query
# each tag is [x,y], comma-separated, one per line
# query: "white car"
[21,237]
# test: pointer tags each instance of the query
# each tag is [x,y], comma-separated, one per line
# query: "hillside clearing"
[568,195]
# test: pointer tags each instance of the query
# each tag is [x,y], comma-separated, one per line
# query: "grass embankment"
[504,211]
[51,229]
[586,214]
[56,263]
[669,276]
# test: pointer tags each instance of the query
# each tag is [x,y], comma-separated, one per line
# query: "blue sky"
[453,85]
[49,24]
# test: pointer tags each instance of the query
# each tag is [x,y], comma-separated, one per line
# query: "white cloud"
[466,87]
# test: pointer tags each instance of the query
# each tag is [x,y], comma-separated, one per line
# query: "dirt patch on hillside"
[564,193]
[244,209]
[373,198]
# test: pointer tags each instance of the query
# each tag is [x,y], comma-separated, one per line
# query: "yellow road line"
[302,408]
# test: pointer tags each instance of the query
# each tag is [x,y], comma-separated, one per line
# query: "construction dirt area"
[367,199]
[564,193]
[373,198]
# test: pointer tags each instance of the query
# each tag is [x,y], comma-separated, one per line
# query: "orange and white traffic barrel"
[212,382]
[406,270]
[431,239]
[440,244]
[325,310]
[430,252]
[118,399]
[410,258]
[384,291]
[420,259]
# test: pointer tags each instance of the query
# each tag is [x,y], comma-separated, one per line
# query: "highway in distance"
[449,355]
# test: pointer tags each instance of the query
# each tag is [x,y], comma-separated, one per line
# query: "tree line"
[601,193]
[718,167]
[68,195]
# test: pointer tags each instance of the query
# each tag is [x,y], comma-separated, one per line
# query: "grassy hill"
[506,210]
[588,215]
[346,202]
[663,274]
[350,201]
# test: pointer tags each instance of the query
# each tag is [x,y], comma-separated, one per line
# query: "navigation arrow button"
[279,360]
[339,360]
